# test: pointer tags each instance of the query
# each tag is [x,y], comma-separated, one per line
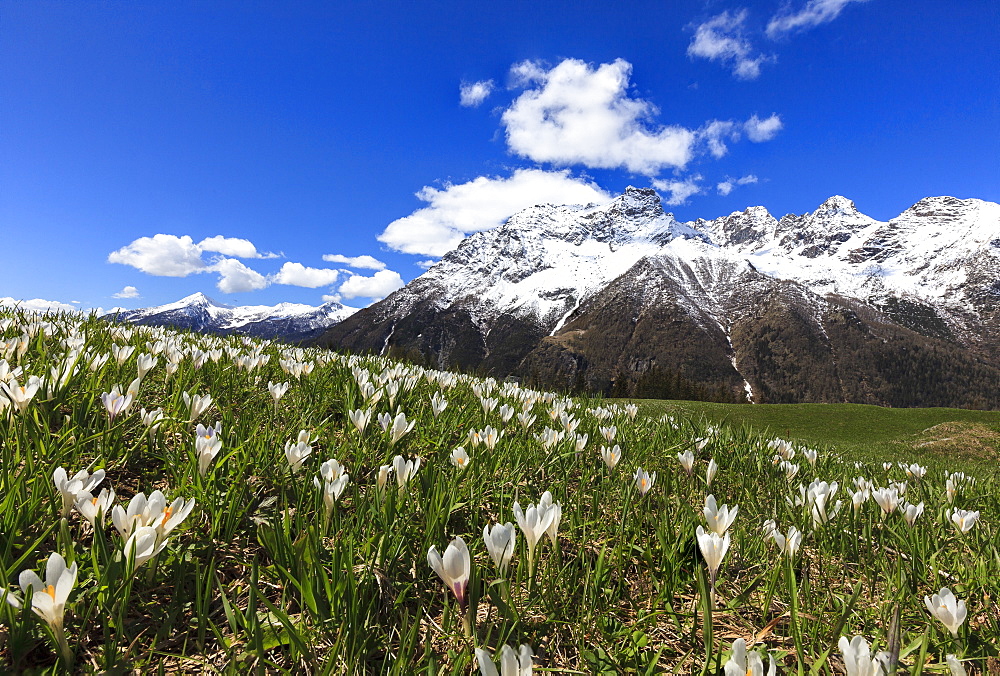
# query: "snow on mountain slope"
[548,259]
[198,312]
[924,253]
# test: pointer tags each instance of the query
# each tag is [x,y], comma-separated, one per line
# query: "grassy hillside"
[182,503]
[859,431]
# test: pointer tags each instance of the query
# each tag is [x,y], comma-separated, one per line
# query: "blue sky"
[268,152]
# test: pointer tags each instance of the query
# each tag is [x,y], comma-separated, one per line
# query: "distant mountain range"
[290,322]
[623,299]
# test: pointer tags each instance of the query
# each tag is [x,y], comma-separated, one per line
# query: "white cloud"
[722,39]
[379,285]
[679,190]
[715,134]
[232,246]
[481,204]
[39,305]
[296,274]
[364,262]
[331,297]
[235,277]
[726,187]
[426,265]
[759,130]
[576,114]
[162,255]
[471,94]
[127,292]
[172,256]
[814,13]
[526,73]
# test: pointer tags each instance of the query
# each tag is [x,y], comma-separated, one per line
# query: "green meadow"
[182,503]
[861,431]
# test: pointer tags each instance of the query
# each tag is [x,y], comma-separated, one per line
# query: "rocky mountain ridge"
[624,298]
[290,322]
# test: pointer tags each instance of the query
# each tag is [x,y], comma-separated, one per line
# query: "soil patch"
[973,441]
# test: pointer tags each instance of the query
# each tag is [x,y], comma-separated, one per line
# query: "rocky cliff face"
[827,306]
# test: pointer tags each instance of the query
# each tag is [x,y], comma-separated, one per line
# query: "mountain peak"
[838,205]
[197,298]
[638,202]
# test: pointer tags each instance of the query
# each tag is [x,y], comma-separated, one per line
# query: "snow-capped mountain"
[926,252]
[827,306]
[292,322]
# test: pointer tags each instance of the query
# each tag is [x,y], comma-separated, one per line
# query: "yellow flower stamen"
[51,591]
[166,516]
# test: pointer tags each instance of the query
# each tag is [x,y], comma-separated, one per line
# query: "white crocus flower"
[93,509]
[500,542]
[196,404]
[742,663]
[859,497]
[713,549]
[453,568]
[70,489]
[152,419]
[490,437]
[335,480]
[790,469]
[459,457]
[687,461]
[556,510]
[438,404]
[145,363]
[955,666]
[115,402]
[359,418]
[644,481]
[400,427]
[405,470]
[947,608]
[611,456]
[820,513]
[382,479]
[911,513]
[122,353]
[296,453]
[713,467]
[48,597]
[789,545]
[142,545]
[858,659]
[152,511]
[964,520]
[719,518]
[886,498]
[207,445]
[811,455]
[277,390]
[511,663]
[534,523]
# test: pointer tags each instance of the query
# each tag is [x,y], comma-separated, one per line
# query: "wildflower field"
[181,503]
